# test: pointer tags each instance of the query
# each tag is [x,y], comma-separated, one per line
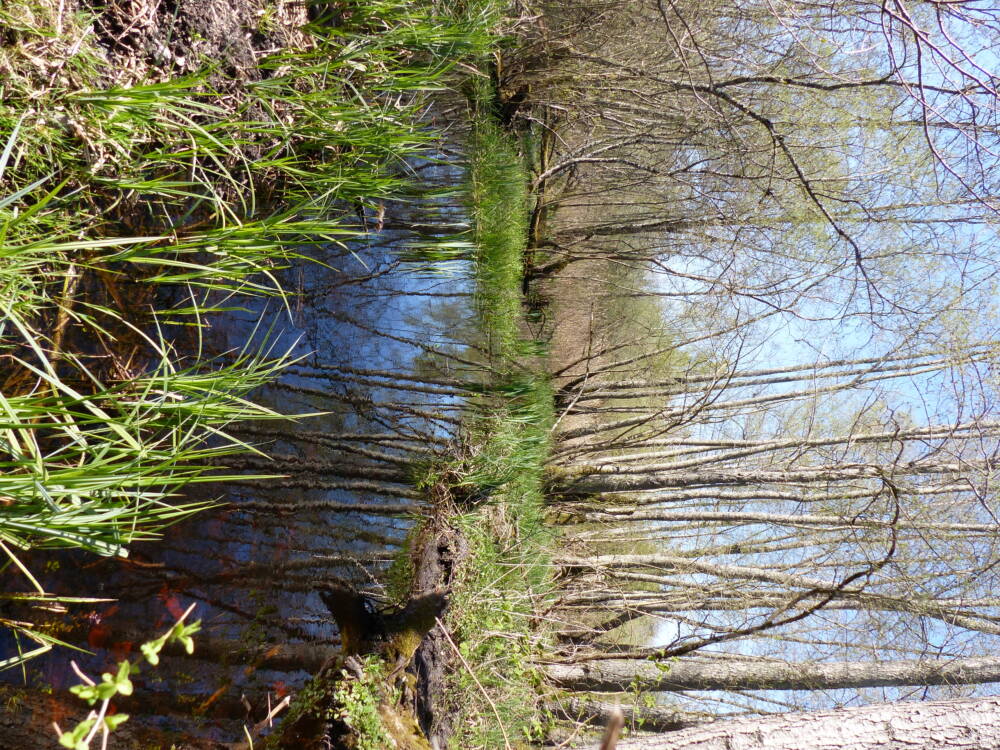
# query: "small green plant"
[98,721]
[358,700]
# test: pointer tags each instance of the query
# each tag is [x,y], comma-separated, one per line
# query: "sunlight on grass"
[499,207]
[133,208]
[505,580]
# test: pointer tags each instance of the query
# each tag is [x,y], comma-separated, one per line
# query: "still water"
[384,338]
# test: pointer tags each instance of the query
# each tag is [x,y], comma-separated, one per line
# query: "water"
[382,341]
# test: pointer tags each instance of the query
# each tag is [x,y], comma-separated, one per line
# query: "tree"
[815,180]
[776,153]
[819,541]
[957,725]
[621,675]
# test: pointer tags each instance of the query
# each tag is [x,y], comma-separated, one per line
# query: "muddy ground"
[152,40]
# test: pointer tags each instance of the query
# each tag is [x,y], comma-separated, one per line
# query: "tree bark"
[968,724]
[647,718]
[779,519]
[623,675]
[581,482]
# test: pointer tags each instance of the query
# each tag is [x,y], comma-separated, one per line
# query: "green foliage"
[399,577]
[111,685]
[505,576]
[119,683]
[120,182]
[87,461]
[179,632]
[498,197]
[492,619]
[358,702]
[510,431]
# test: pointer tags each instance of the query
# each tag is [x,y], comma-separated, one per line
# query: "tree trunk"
[623,675]
[968,724]
[585,480]
[646,718]
[619,515]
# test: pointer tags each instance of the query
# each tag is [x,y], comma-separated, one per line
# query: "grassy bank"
[499,211]
[504,581]
[141,193]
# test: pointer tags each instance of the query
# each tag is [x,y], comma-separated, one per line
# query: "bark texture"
[649,718]
[972,724]
[622,675]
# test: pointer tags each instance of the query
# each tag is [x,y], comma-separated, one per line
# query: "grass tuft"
[505,580]
[498,194]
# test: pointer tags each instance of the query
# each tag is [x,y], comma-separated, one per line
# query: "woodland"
[786,474]
[509,375]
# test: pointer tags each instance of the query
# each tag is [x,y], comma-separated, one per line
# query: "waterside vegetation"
[140,195]
[723,442]
[486,496]
[505,580]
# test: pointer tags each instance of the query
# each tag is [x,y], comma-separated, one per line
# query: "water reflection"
[385,341]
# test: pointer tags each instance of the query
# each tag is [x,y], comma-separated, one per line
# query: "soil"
[165,39]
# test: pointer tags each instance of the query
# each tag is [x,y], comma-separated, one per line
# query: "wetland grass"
[498,198]
[138,198]
[505,580]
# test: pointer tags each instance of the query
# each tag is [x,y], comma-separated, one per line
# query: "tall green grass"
[113,195]
[89,460]
[498,197]
[505,580]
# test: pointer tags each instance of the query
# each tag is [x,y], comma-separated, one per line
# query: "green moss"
[398,580]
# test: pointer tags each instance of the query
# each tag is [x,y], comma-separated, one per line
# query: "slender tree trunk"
[635,480]
[779,519]
[623,675]
[649,718]
[969,724]
[719,451]
[809,371]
